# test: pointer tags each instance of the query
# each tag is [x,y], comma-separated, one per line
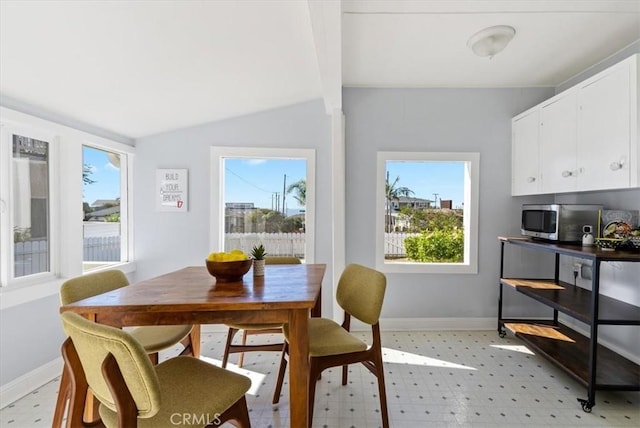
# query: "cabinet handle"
[567,173]
[531,179]
[615,166]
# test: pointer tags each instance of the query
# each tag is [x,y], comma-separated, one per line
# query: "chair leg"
[345,374]
[314,374]
[238,412]
[64,393]
[187,342]
[381,388]
[244,342]
[281,372]
[232,332]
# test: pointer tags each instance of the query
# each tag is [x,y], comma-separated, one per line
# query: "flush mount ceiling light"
[492,40]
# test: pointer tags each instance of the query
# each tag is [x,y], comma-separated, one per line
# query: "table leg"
[299,367]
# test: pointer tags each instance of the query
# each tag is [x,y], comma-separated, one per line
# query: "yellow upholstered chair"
[360,293]
[252,329]
[153,338]
[182,391]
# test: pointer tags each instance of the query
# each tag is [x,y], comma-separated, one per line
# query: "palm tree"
[394,193]
[300,189]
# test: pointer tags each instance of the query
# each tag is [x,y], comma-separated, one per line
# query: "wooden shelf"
[569,350]
[576,301]
[589,253]
[583,358]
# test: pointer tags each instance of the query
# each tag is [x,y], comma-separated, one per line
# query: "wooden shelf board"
[569,350]
[543,284]
[576,301]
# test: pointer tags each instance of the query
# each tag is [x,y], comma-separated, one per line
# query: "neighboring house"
[101,215]
[99,203]
[408,202]
[236,214]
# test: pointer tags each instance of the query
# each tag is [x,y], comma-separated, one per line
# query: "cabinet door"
[558,144]
[604,132]
[525,169]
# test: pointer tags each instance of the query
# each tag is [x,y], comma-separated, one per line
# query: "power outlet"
[577,270]
[585,272]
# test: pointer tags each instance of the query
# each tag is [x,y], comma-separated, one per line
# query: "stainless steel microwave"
[558,222]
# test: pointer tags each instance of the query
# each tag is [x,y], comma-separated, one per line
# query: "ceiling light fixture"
[491,41]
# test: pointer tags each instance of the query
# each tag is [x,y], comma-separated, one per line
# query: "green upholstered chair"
[360,293]
[181,391]
[153,338]
[253,329]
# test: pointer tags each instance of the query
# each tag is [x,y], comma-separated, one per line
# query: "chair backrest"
[360,292]
[91,284]
[282,260]
[94,342]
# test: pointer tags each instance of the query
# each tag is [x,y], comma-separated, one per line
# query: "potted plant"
[258,253]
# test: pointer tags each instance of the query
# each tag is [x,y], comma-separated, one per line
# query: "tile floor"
[436,379]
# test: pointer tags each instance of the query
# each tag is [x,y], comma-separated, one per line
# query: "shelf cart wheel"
[587,406]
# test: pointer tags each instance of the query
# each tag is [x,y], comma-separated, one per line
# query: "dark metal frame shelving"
[593,365]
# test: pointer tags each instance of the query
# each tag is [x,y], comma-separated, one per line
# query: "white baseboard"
[430,324]
[213,328]
[29,382]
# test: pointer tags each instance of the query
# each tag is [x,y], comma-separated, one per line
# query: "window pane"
[427,215]
[101,204]
[424,221]
[30,216]
[265,203]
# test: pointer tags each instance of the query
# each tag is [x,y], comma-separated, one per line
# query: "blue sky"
[257,180]
[425,178]
[105,175]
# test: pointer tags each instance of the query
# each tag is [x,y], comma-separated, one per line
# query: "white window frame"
[65,205]
[7,274]
[126,188]
[471,201]
[220,153]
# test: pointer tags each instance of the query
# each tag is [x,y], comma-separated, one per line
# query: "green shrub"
[437,246]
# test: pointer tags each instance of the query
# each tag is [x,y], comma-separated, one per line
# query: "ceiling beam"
[327,34]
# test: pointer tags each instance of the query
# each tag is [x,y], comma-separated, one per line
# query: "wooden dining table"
[285,294]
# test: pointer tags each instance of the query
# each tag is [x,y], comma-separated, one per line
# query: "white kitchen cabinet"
[558,119]
[604,131]
[525,153]
[587,137]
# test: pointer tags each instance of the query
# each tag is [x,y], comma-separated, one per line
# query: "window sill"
[437,268]
[15,295]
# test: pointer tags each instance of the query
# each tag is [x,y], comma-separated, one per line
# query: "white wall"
[165,241]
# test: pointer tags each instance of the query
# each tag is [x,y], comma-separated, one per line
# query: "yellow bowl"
[229,271]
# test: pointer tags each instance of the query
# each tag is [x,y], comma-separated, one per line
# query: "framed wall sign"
[173,190]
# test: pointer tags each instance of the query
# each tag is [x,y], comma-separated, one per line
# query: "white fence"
[276,244]
[292,244]
[394,244]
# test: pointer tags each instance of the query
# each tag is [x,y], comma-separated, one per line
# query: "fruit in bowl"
[228,267]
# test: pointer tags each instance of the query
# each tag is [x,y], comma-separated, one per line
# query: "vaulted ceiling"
[139,68]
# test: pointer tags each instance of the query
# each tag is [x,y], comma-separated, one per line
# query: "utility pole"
[284,196]
[435,200]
